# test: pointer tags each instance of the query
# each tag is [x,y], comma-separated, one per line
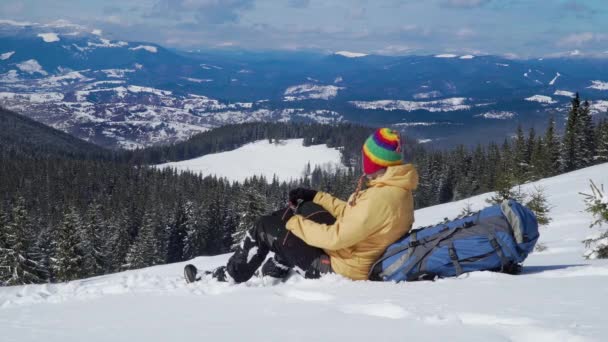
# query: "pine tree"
[601,154]
[505,191]
[18,252]
[539,160]
[252,205]
[569,160]
[539,206]
[69,257]
[94,242]
[194,238]
[596,203]
[552,147]
[144,251]
[119,242]
[521,156]
[585,138]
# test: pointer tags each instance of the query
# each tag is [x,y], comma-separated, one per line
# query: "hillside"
[559,297]
[24,137]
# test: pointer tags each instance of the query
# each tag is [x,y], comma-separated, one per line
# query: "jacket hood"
[401,176]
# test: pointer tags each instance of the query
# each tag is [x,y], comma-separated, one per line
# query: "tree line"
[64,218]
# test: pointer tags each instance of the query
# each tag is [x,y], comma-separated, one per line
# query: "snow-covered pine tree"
[194,238]
[5,270]
[596,203]
[601,153]
[46,246]
[144,250]
[18,252]
[175,235]
[252,205]
[69,256]
[119,241]
[94,241]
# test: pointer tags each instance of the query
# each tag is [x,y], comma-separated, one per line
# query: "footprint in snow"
[385,310]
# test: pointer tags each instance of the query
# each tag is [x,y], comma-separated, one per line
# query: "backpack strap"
[402,260]
[454,257]
[504,262]
[424,249]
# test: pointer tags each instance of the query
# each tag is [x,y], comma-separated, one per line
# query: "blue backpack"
[497,238]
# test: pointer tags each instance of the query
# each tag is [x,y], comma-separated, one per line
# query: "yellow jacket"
[382,214]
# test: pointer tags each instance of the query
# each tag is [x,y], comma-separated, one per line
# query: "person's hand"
[305,195]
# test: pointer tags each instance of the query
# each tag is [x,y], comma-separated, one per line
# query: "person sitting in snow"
[319,234]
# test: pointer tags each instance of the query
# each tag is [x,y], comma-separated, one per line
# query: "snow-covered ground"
[286,159]
[311,91]
[444,105]
[497,115]
[541,99]
[559,297]
[598,85]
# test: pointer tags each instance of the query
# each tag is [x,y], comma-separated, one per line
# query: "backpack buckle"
[414,243]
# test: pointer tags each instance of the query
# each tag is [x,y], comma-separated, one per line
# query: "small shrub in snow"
[539,206]
[535,200]
[597,204]
[466,210]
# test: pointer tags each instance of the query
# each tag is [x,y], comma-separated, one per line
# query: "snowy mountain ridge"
[559,297]
[61,57]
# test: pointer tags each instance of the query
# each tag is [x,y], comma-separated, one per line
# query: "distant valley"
[133,94]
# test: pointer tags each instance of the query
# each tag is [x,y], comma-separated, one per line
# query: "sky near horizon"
[521,28]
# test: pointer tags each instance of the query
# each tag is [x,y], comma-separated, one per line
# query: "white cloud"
[581,39]
[464,3]
[394,50]
[465,33]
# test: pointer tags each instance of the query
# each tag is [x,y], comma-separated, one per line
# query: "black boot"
[190,273]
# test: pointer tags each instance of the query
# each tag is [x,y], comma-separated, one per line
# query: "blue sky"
[511,27]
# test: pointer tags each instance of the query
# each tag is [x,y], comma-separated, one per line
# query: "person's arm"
[334,205]
[355,225]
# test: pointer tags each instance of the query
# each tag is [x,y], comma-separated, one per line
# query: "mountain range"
[122,94]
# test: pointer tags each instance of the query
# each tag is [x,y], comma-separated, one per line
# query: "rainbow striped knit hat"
[382,149]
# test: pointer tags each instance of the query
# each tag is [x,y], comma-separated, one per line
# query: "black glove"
[303,194]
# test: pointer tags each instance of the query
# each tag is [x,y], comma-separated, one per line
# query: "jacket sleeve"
[355,225]
[334,205]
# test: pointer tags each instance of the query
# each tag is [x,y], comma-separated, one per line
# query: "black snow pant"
[290,252]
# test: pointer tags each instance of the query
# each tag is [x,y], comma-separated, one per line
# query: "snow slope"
[560,297]
[286,160]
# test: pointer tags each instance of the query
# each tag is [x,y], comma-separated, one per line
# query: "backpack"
[497,238]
